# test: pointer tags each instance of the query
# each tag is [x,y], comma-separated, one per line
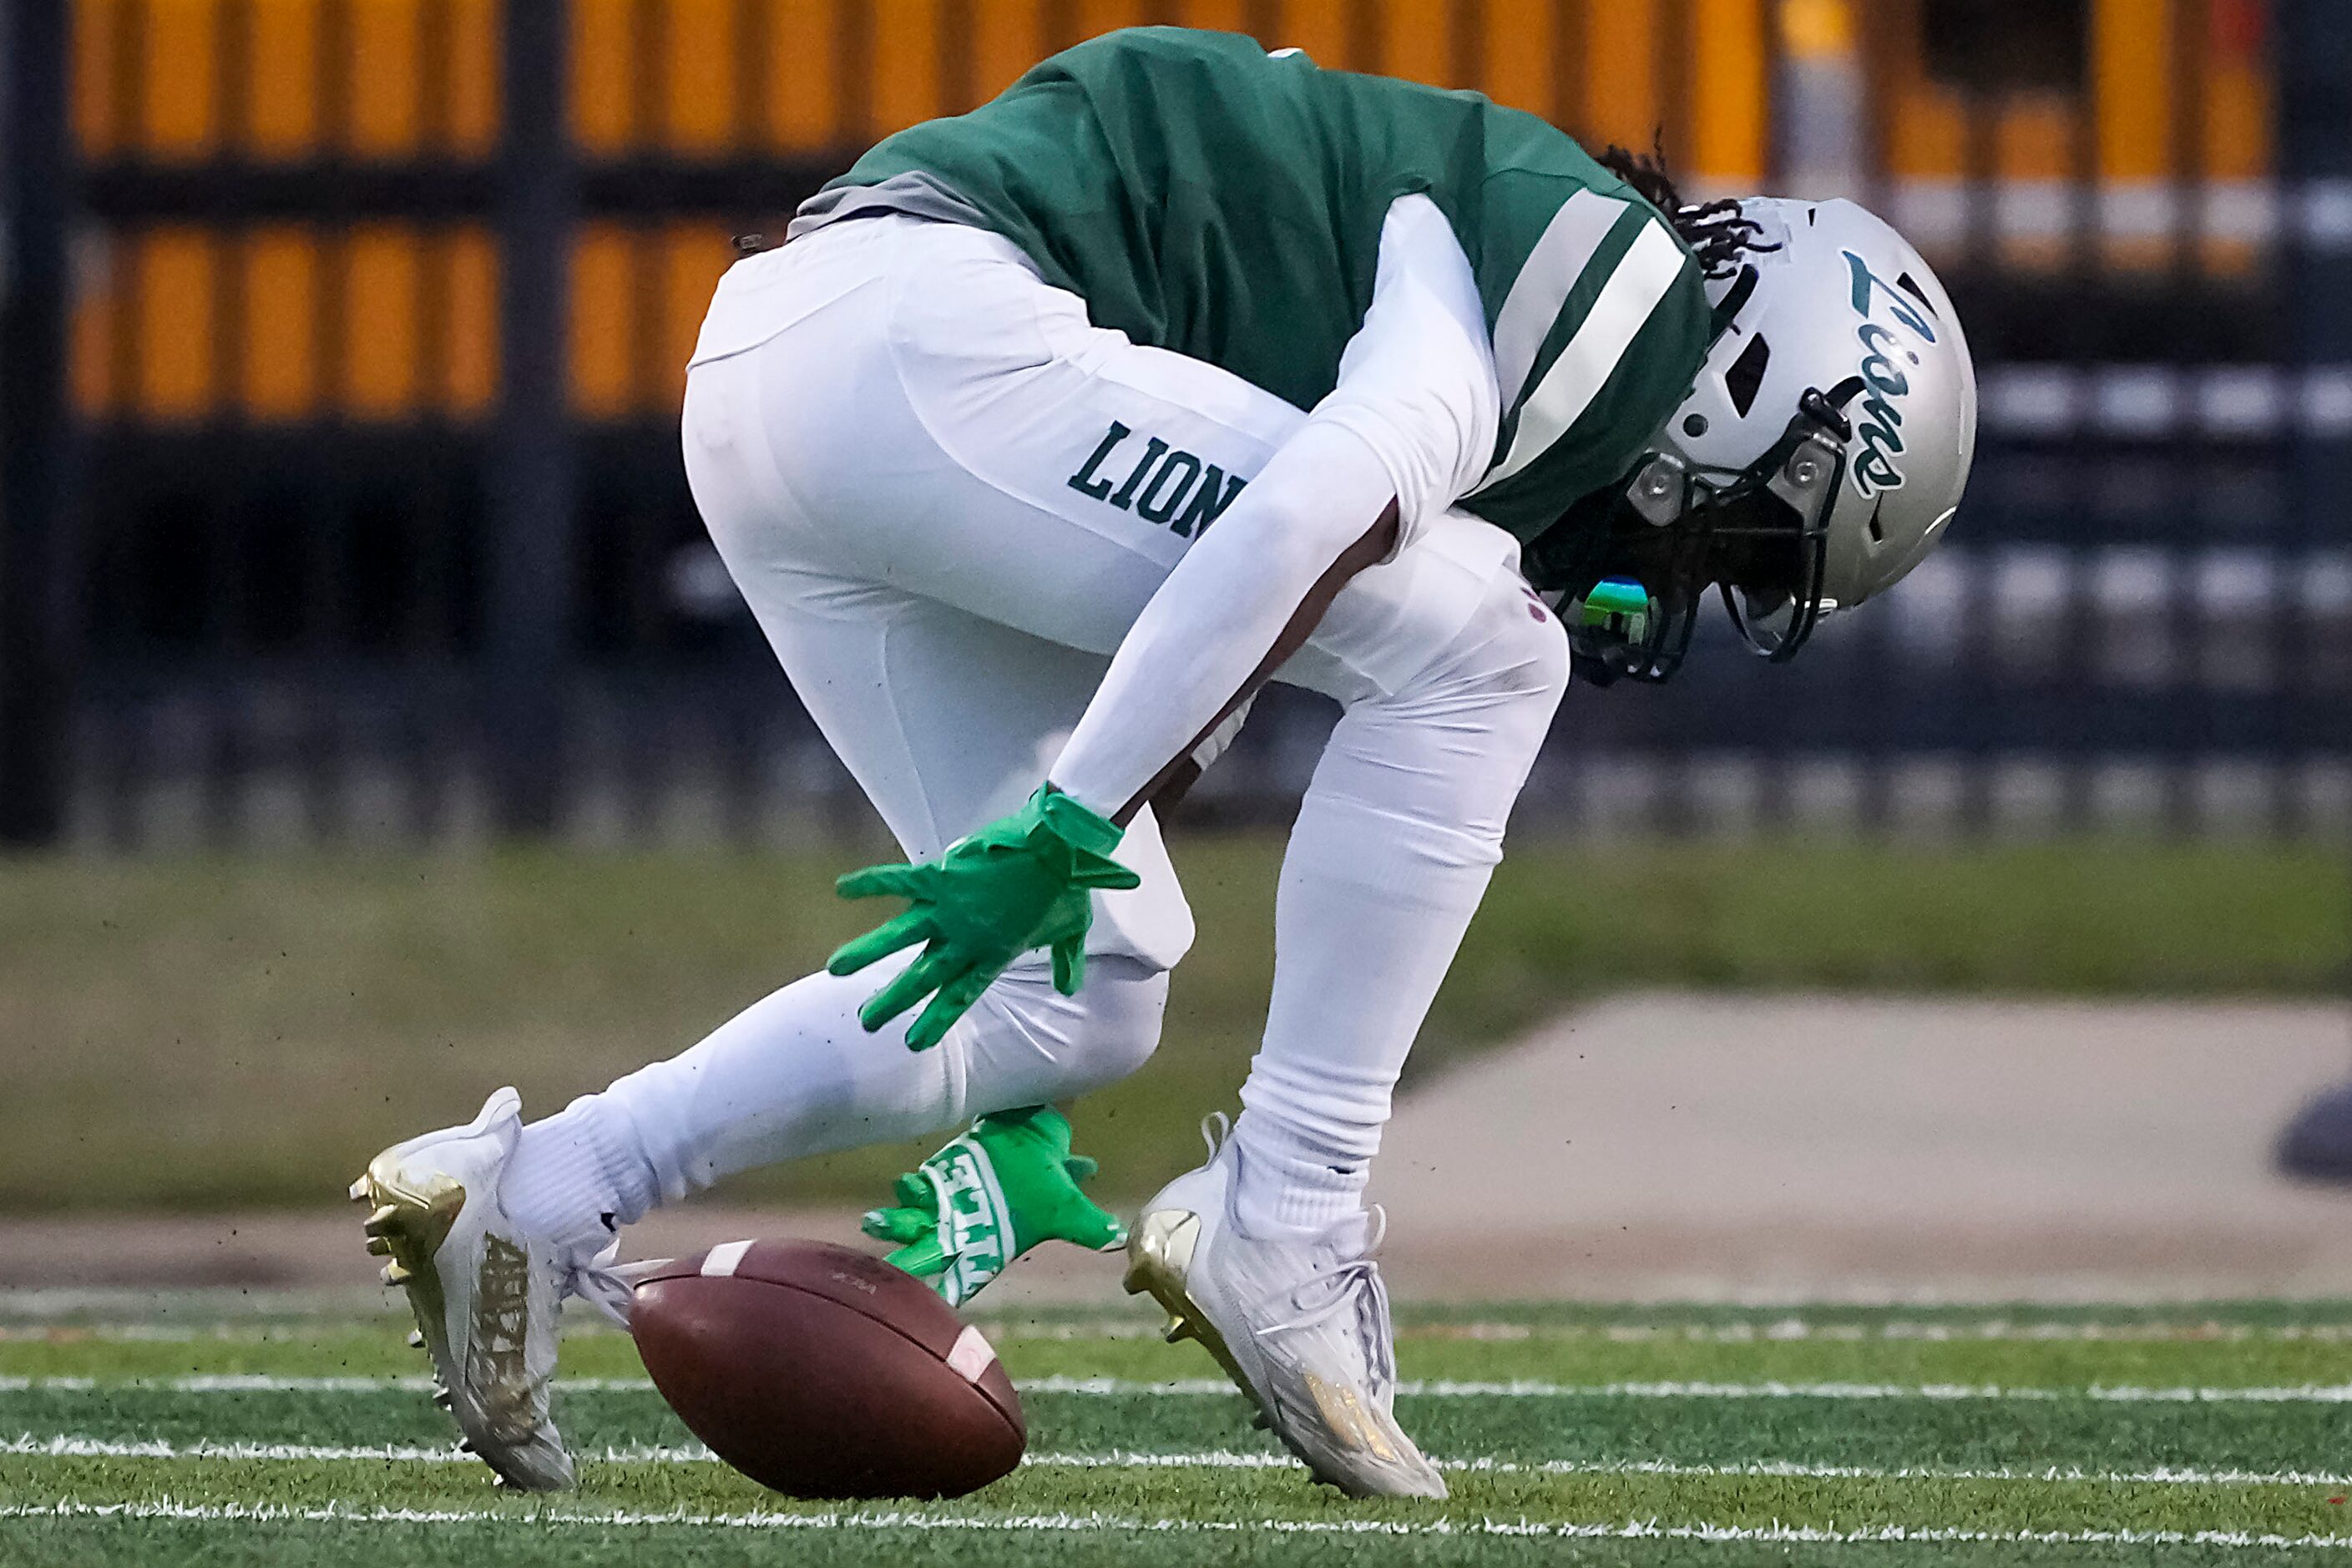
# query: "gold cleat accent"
[408,1224]
[1345,1414]
[1177,1329]
[1159,1254]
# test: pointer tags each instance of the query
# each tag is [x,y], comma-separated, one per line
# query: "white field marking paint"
[1783,1330]
[72,1447]
[1410,1388]
[1763,1468]
[258,1383]
[77,1447]
[1527,1388]
[1774,1331]
[1563,1530]
[201,1307]
[302,1333]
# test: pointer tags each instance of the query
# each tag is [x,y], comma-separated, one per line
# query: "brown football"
[824,1373]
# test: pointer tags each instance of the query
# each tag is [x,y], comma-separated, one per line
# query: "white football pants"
[946,496]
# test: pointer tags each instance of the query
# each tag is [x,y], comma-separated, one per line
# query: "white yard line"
[1529,1388]
[1436,1388]
[32,1327]
[1633,1530]
[79,1447]
[1780,1331]
[1768,1469]
[1775,1330]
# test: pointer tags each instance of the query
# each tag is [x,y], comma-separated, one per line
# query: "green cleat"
[990,1196]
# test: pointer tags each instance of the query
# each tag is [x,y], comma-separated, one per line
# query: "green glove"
[1021,882]
[990,1196]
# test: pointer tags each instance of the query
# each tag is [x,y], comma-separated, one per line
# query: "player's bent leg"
[795,1074]
[485,1290]
[1263,1254]
[1392,852]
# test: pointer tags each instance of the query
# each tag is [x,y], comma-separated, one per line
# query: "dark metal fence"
[432,571]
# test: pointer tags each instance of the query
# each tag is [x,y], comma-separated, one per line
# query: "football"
[821,1371]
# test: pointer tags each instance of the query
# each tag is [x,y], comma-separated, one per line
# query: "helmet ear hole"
[1746,375]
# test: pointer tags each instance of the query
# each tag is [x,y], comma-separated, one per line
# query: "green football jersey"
[1204,197]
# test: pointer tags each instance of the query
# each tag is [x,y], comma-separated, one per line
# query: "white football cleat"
[486,1296]
[1301,1326]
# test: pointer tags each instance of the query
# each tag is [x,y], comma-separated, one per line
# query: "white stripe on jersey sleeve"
[1643,275]
[1560,256]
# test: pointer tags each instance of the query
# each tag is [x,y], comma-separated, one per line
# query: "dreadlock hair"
[1716,232]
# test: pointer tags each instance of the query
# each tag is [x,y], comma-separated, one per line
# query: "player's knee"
[1512,659]
[1028,1043]
[1536,659]
[1124,1001]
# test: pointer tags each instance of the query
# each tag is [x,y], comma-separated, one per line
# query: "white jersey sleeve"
[1417,384]
[1414,418]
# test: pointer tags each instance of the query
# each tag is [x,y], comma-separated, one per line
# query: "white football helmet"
[1816,459]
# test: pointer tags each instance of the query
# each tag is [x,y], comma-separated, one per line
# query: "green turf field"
[382,996]
[250,1429]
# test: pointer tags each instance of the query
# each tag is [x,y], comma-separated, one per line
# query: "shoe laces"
[1355,1285]
[602,1283]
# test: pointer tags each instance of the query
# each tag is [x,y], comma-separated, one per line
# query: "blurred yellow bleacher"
[295,318]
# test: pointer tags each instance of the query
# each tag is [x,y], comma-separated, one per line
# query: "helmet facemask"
[1757,535]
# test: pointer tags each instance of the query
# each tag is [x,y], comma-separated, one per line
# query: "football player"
[1052,433]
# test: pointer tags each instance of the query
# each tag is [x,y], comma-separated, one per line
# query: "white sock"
[1365,925]
[1286,1186]
[576,1178]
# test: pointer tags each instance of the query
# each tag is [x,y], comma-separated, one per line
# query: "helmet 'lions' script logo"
[1884,382]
